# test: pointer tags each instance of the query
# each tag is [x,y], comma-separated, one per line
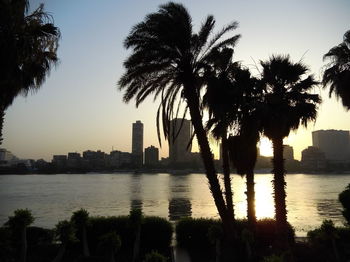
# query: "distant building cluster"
[330,151]
[8,159]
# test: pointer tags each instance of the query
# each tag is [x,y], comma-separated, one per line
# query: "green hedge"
[156,234]
[192,234]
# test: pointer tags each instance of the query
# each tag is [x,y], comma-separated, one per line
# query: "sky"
[79,107]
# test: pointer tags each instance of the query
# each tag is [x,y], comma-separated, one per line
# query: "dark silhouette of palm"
[80,219]
[168,61]
[231,98]
[337,73]
[65,233]
[28,46]
[221,102]
[287,104]
[20,221]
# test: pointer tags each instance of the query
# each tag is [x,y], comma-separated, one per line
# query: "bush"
[266,232]
[39,236]
[192,234]
[320,240]
[344,198]
[156,234]
[154,257]
[100,226]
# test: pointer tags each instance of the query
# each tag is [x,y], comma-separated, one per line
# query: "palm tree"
[243,154]
[243,147]
[221,101]
[135,222]
[286,105]
[337,74]
[80,220]
[110,243]
[168,60]
[20,221]
[28,46]
[230,97]
[65,233]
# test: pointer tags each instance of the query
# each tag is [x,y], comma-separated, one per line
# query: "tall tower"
[137,143]
[179,138]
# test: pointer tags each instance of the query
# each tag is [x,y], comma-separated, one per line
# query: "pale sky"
[79,107]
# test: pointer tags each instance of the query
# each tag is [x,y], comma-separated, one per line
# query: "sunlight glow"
[264,203]
[265,147]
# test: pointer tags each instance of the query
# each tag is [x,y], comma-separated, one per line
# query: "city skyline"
[59,118]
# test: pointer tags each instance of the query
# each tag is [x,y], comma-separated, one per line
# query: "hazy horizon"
[79,107]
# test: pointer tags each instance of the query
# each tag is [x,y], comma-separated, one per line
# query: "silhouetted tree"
[65,233]
[287,104]
[344,198]
[19,222]
[168,60]
[329,232]
[28,46]
[135,221]
[337,73]
[110,243]
[221,100]
[80,219]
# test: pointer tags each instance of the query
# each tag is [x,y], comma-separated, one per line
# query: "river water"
[311,198]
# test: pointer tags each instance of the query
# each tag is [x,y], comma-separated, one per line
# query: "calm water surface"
[310,198]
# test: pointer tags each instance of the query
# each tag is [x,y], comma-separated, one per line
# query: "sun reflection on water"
[264,203]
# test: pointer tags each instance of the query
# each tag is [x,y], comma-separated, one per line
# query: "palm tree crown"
[28,46]
[168,60]
[287,103]
[337,74]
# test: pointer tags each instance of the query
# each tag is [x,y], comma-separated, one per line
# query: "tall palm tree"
[28,46]
[337,74]
[220,100]
[243,147]
[20,221]
[243,155]
[168,60]
[230,98]
[287,104]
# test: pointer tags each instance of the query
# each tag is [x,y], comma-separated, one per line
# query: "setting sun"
[265,147]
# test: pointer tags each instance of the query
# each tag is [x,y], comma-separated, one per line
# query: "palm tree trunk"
[207,156]
[279,185]
[2,116]
[60,253]
[227,179]
[111,256]
[335,250]
[85,243]
[23,253]
[136,249]
[251,199]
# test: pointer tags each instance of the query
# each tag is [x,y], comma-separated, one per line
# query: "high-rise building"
[312,158]
[137,143]
[288,153]
[334,143]
[179,141]
[151,156]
